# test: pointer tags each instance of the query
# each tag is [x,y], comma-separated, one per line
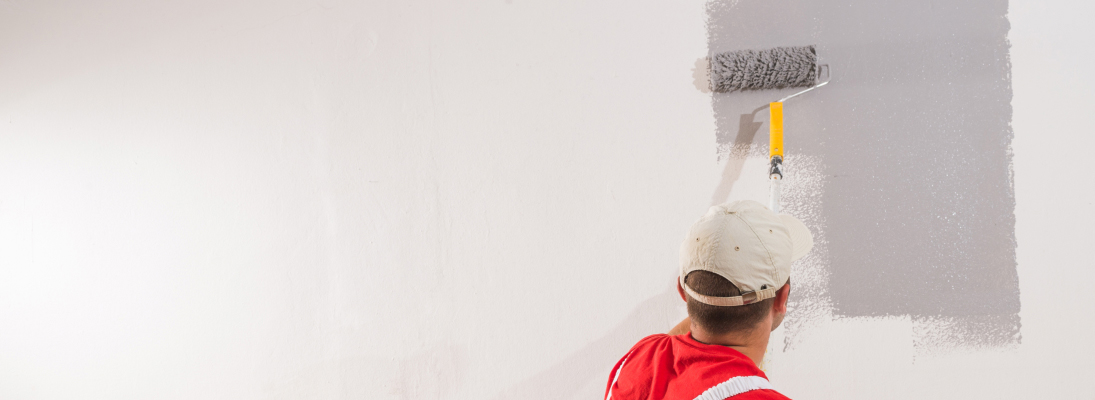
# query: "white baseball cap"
[749,245]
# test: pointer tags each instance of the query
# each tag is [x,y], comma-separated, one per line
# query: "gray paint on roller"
[775,68]
[914,135]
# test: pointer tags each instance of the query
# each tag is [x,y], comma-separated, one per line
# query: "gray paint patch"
[914,135]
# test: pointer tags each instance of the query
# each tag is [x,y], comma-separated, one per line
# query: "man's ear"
[681,291]
[780,303]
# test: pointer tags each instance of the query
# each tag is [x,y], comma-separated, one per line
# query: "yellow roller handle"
[775,151]
[775,132]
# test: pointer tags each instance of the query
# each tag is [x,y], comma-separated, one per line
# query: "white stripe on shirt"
[609,396]
[734,386]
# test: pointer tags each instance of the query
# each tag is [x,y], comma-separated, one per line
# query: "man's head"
[722,320]
[736,265]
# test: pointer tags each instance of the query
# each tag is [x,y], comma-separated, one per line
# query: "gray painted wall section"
[914,134]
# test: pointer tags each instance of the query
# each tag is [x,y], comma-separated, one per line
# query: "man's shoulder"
[686,354]
[655,338]
[652,341]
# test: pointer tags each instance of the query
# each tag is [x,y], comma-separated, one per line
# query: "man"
[735,277]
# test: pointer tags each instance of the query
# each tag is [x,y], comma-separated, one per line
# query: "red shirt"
[680,368]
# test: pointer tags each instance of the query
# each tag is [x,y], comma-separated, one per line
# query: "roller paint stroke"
[905,166]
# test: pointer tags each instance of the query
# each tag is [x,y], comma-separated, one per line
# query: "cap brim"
[801,238]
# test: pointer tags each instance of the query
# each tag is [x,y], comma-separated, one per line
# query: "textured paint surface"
[912,139]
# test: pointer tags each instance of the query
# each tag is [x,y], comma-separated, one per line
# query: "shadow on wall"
[739,151]
[587,369]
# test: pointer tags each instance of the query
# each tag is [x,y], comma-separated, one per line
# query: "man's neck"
[753,343]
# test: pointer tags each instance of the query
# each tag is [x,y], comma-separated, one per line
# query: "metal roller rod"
[773,194]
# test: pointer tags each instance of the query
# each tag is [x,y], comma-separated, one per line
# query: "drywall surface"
[341,199]
[484,199]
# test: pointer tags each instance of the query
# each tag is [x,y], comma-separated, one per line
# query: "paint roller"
[776,68]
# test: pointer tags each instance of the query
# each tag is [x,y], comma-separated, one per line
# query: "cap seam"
[717,242]
[771,260]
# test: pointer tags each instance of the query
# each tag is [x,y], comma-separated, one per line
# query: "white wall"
[435,200]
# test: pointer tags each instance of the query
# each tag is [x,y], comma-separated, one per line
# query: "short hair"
[719,320]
